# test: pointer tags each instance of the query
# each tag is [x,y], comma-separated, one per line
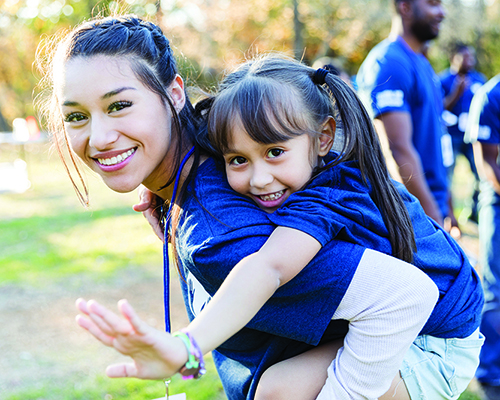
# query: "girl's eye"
[74,117]
[118,105]
[238,160]
[273,153]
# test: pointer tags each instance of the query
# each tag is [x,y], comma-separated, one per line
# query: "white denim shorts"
[436,368]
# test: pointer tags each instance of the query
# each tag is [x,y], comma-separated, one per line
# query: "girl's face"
[268,173]
[116,125]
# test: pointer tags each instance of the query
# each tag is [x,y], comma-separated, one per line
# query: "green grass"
[42,248]
[99,387]
[48,240]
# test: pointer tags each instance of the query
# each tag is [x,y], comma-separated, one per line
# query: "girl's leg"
[303,376]
[397,391]
[300,377]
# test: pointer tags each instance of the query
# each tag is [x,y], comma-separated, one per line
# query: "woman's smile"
[116,159]
[116,125]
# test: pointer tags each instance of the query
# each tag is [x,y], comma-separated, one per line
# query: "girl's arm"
[249,285]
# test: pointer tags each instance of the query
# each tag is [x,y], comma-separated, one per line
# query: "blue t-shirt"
[484,123]
[394,78]
[456,118]
[338,205]
[217,229]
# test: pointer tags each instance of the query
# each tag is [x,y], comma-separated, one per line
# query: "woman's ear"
[176,92]
[327,136]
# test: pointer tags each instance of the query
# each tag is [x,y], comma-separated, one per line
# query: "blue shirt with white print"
[484,126]
[456,118]
[393,78]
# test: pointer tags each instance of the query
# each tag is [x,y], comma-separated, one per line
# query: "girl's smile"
[268,173]
[271,200]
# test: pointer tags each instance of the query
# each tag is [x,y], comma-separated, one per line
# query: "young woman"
[118,104]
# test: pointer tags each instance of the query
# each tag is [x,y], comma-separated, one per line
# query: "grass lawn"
[52,251]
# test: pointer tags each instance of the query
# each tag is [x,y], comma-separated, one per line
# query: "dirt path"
[40,342]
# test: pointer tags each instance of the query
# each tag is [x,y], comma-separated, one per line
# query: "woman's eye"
[74,117]
[119,105]
[238,161]
[273,153]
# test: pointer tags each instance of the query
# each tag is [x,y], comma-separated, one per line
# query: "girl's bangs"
[268,113]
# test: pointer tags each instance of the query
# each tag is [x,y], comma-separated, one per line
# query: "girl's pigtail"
[361,143]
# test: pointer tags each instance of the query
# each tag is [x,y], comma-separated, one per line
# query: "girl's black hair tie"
[319,76]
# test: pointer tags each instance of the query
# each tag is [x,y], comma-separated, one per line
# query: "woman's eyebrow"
[117,91]
[105,96]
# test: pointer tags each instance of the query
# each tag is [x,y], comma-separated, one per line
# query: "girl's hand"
[150,206]
[156,354]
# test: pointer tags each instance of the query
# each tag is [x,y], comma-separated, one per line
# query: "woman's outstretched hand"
[150,206]
[155,354]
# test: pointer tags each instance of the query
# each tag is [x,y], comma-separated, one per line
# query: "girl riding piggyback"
[274,121]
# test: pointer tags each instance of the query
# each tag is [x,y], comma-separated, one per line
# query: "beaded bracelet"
[195,366]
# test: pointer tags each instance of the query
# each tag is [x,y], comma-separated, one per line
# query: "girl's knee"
[271,387]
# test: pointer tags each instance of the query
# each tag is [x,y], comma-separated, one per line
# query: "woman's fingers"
[154,219]
[150,205]
[145,199]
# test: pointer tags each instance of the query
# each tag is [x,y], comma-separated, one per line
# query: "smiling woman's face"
[115,124]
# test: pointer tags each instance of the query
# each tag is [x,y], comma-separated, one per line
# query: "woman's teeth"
[271,197]
[115,160]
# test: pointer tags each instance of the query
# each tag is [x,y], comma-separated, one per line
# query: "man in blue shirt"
[460,82]
[400,88]
[484,127]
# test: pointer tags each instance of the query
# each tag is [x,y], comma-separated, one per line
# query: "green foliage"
[212,36]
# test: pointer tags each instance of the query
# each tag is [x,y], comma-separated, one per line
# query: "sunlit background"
[53,251]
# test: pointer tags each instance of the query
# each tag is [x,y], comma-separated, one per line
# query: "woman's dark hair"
[141,43]
[275,98]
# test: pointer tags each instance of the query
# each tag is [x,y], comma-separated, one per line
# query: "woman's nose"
[102,134]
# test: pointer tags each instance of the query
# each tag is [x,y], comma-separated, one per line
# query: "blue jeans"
[436,368]
[489,239]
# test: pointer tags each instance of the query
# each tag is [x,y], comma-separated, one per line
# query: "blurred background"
[52,250]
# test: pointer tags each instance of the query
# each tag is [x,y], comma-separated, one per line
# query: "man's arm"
[458,88]
[396,128]
[487,155]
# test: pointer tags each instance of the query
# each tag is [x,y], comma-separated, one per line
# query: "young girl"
[117,103]
[278,137]
[277,143]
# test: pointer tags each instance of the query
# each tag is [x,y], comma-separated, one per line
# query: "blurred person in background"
[483,128]
[460,82]
[404,95]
